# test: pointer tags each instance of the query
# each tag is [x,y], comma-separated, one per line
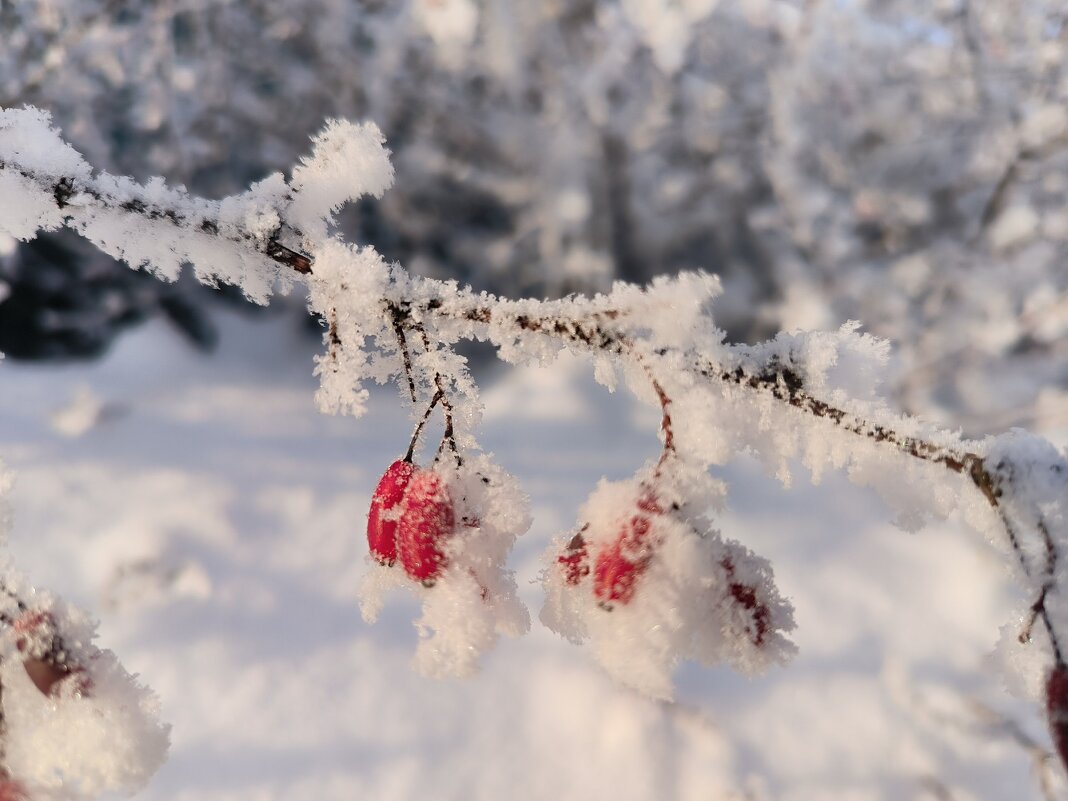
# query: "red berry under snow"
[1057,710]
[575,559]
[426,521]
[44,658]
[31,625]
[745,596]
[381,518]
[619,565]
[11,790]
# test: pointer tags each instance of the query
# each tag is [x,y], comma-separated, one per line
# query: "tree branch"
[595,331]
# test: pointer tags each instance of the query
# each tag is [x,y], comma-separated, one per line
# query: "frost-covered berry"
[1057,709]
[426,520]
[575,560]
[44,657]
[619,566]
[11,790]
[382,516]
[745,596]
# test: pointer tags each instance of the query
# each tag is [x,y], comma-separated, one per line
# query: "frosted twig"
[449,435]
[597,332]
[665,416]
[434,401]
[781,391]
[402,344]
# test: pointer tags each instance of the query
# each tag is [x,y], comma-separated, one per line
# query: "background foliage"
[901,162]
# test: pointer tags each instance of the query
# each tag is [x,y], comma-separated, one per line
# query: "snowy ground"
[214,521]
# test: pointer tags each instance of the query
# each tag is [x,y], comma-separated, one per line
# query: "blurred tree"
[900,162]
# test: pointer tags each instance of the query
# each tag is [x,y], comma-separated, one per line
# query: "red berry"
[32,625]
[746,597]
[648,502]
[381,518]
[575,559]
[1057,709]
[619,565]
[45,658]
[426,521]
[11,790]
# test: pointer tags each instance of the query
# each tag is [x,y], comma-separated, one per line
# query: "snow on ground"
[215,521]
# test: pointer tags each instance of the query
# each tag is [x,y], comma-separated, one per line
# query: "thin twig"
[398,328]
[449,435]
[980,720]
[665,419]
[422,422]
[333,340]
[1041,758]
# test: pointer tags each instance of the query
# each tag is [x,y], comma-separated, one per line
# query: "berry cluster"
[625,555]
[643,547]
[451,526]
[622,557]
[411,517]
[620,564]
[647,582]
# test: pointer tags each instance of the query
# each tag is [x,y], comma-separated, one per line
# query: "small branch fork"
[594,332]
[786,385]
[665,418]
[401,318]
[449,435]
[422,422]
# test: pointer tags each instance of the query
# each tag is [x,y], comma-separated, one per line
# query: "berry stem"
[334,339]
[449,435]
[438,396]
[1038,609]
[401,319]
[398,316]
[665,419]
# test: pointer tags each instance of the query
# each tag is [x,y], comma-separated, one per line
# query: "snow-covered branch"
[645,576]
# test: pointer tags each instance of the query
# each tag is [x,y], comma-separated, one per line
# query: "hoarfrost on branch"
[646,576]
